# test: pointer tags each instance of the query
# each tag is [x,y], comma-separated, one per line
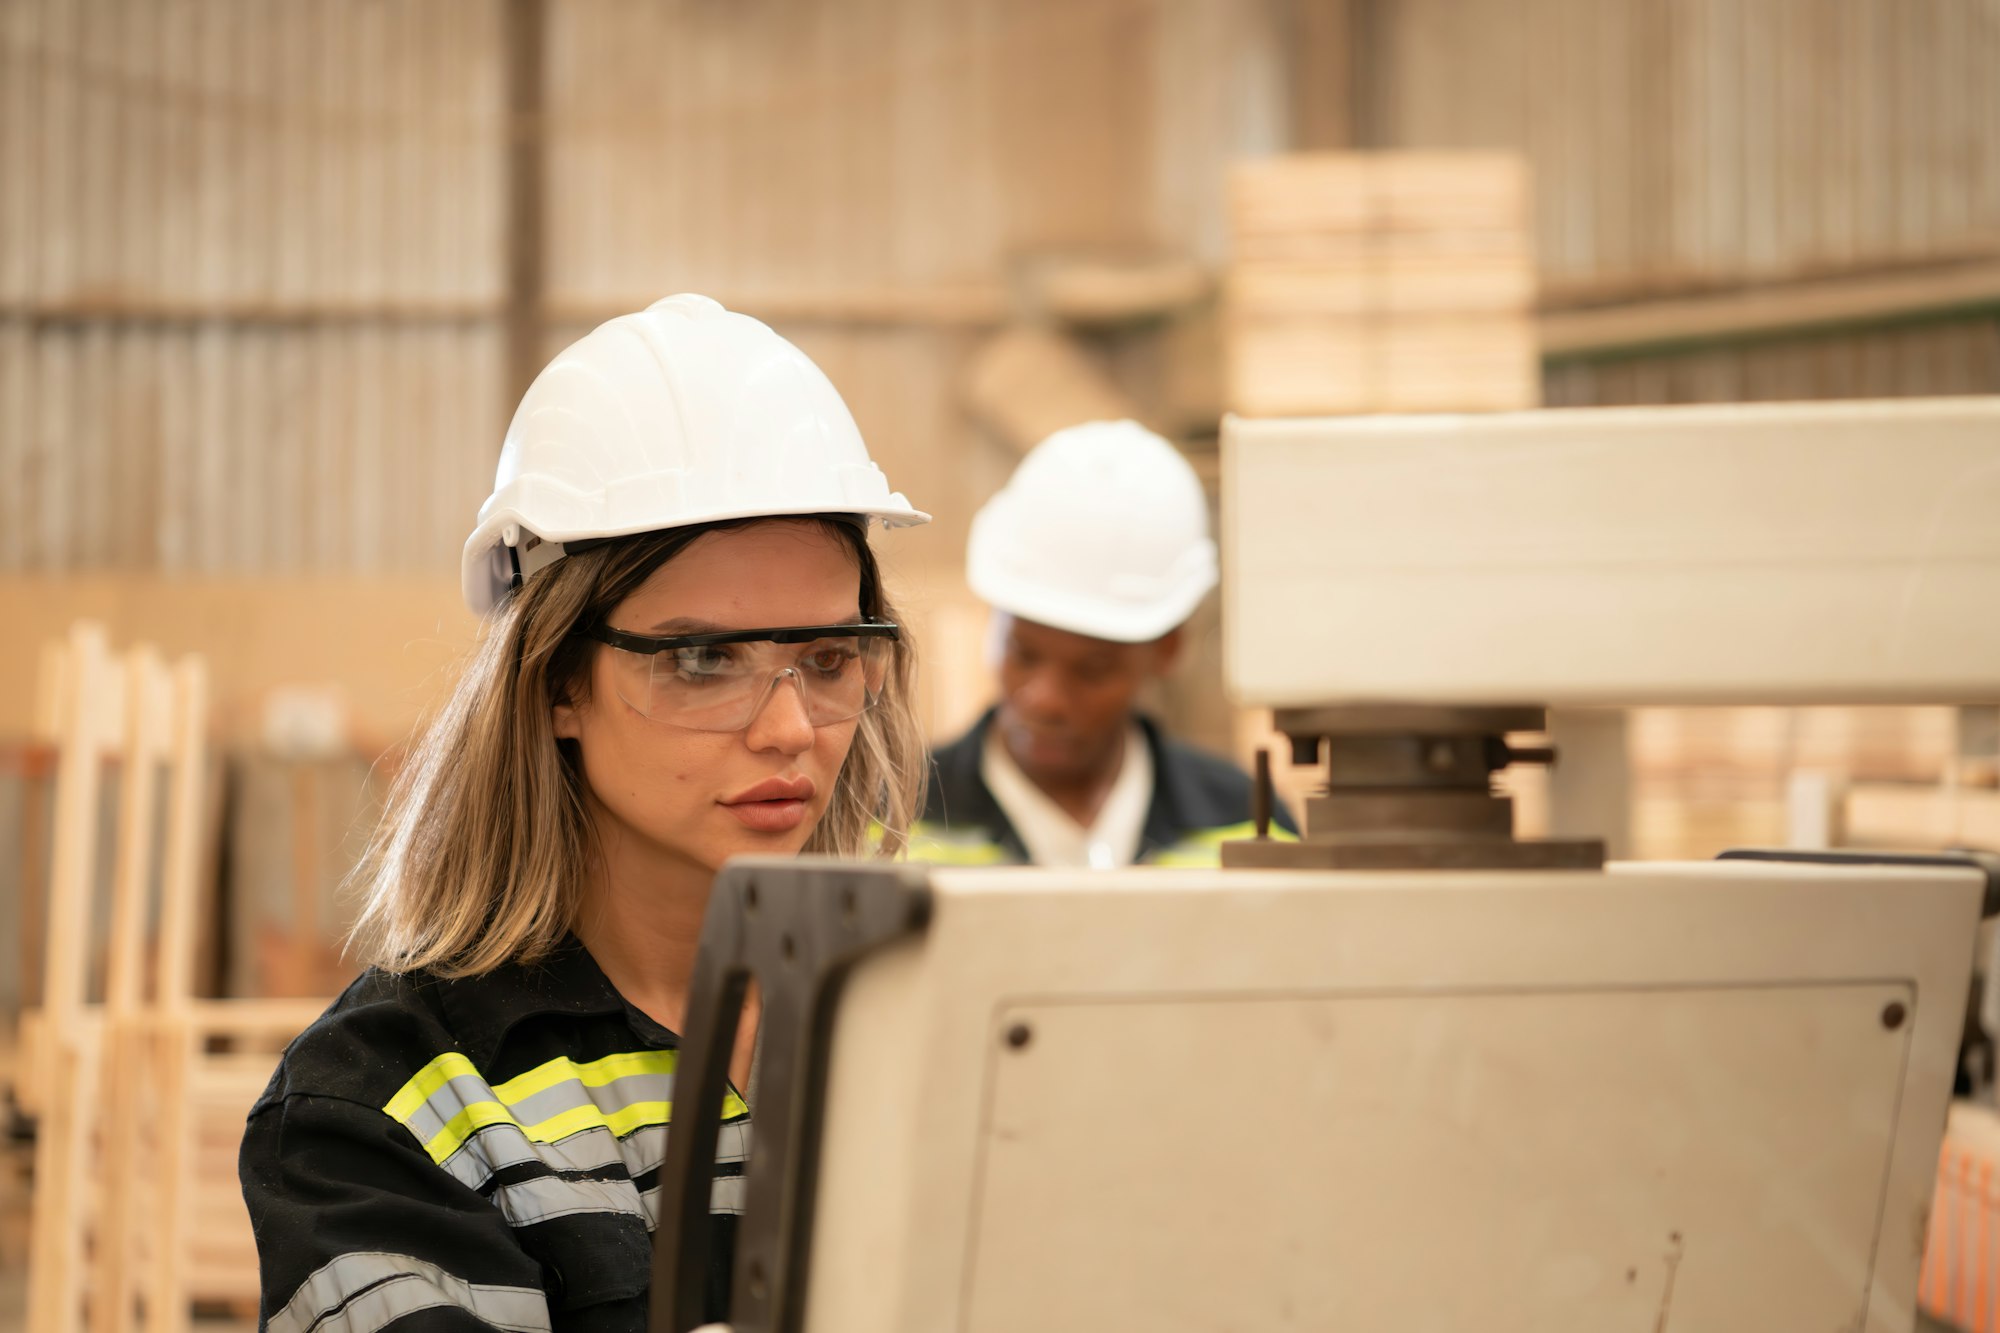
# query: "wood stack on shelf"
[1381,282]
[1708,778]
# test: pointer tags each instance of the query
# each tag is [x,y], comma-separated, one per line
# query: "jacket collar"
[567,983]
[965,800]
[960,795]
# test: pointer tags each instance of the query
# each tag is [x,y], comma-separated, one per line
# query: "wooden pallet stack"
[139,1096]
[1381,282]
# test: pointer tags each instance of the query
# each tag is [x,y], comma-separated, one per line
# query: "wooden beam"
[1321,65]
[959,305]
[1101,291]
[525,35]
[115,310]
[1864,300]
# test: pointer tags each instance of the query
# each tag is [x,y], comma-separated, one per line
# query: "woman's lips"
[780,816]
[775,805]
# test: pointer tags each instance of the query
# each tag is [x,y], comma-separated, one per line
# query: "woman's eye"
[830,661]
[703,663]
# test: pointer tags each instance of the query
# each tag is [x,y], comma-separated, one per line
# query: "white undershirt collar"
[1051,836]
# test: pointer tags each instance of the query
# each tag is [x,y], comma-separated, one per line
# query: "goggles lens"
[720,682]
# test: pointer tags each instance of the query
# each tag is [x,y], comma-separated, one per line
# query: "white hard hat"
[1102,531]
[684,413]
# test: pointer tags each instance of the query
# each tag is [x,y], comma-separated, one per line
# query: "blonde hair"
[486,842]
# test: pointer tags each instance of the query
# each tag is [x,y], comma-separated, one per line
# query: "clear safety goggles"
[721,681]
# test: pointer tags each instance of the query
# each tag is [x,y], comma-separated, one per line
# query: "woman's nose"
[782,720]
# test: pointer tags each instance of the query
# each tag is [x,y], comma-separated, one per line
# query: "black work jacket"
[1198,803]
[474,1153]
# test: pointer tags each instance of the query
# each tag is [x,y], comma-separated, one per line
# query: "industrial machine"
[1412,1072]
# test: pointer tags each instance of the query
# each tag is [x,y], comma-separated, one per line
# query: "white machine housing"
[1796,553]
[1696,1096]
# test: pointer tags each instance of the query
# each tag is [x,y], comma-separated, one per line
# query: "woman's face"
[703,796]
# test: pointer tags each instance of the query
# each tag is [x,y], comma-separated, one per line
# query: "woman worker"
[687,655]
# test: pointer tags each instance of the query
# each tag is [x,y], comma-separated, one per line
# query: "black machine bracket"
[796,925]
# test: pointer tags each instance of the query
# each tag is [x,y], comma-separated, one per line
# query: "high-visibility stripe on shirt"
[365,1291]
[938,844]
[1203,847]
[568,1118]
[447,1101]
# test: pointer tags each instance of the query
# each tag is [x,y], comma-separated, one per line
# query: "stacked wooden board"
[1381,282]
[1961,1273]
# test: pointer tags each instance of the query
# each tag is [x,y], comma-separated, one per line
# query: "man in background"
[1093,557]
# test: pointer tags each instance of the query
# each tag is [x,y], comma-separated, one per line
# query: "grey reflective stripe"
[733,1143]
[453,1097]
[538,1200]
[606,1097]
[496,1147]
[527,1202]
[365,1291]
[726,1194]
[499,1146]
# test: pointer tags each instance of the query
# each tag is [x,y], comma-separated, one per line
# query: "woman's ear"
[568,720]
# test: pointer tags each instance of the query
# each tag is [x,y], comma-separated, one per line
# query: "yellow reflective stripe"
[1215,837]
[938,844]
[593,1074]
[496,1108]
[1203,847]
[946,855]
[464,1125]
[428,1080]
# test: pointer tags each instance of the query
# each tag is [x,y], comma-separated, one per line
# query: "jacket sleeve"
[358,1230]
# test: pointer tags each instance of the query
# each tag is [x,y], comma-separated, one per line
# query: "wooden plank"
[393,641]
[72,872]
[1109,291]
[1025,384]
[181,850]
[145,742]
[1380,282]
[142,746]
[57,1257]
[1923,817]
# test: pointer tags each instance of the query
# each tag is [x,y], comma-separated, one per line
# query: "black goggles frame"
[650,643]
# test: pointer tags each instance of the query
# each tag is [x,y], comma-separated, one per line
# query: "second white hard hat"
[683,413]
[1101,531]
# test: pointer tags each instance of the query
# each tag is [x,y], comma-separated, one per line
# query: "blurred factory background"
[272,276]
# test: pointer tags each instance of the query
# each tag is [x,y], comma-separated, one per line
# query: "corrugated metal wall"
[1697,145]
[252,275]
[252,268]
[249,268]
[864,174]
[1684,143]
[878,150]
